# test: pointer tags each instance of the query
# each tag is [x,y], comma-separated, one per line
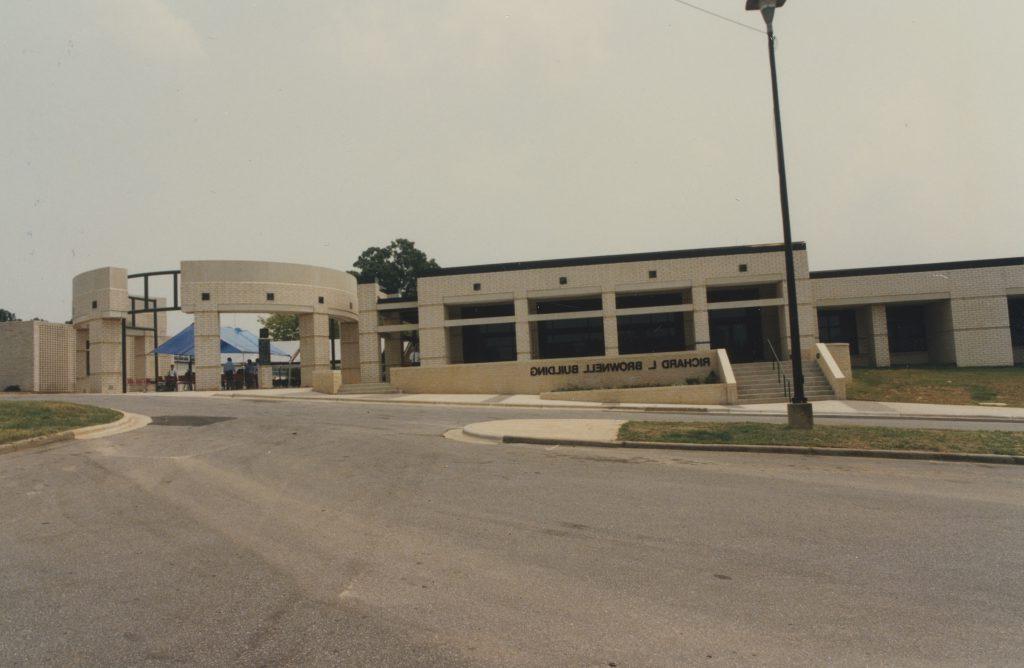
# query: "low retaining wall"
[537,376]
[705,394]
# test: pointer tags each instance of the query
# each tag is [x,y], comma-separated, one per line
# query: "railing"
[780,373]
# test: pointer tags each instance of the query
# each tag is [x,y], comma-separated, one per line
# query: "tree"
[7,316]
[282,326]
[395,267]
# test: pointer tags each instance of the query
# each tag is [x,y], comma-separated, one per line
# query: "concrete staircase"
[368,388]
[758,383]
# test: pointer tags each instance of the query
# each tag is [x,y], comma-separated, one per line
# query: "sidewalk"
[830,408]
[605,434]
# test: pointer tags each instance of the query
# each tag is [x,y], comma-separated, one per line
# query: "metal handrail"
[780,374]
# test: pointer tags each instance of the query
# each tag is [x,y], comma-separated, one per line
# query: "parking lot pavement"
[252,530]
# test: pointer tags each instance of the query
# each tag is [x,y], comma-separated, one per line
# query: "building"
[712,316]
[37,356]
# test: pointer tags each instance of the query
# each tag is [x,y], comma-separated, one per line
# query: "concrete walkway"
[605,433]
[830,408]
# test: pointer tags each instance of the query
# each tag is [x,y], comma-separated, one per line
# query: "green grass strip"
[28,419]
[866,438]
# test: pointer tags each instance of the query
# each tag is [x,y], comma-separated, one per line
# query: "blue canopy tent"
[233,340]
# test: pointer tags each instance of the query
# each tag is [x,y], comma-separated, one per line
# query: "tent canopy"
[233,340]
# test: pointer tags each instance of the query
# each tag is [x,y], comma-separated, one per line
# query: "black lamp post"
[800,411]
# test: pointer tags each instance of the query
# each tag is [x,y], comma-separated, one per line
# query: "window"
[652,274]
[743,267]
[568,305]
[579,337]
[646,299]
[653,333]
[742,293]
[563,280]
[476,287]
[489,343]
[839,326]
[270,296]
[907,330]
[94,303]
[1017,321]
[206,296]
[320,300]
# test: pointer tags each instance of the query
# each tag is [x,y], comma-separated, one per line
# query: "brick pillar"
[701,329]
[105,355]
[880,335]
[611,324]
[369,357]
[433,337]
[348,334]
[524,350]
[314,345]
[981,331]
[207,343]
[81,380]
[265,376]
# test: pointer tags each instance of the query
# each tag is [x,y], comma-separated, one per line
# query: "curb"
[761,449]
[127,422]
[697,410]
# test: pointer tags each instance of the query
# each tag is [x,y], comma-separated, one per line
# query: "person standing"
[229,374]
[171,380]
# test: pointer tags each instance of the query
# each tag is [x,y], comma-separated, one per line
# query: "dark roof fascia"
[916,268]
[610,259]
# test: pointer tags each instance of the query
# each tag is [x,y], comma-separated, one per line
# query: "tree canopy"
[7,316]
[395,267]
[282,326]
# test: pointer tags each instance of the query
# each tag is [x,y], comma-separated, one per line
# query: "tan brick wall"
[17,355]
[516,377]
[55,350]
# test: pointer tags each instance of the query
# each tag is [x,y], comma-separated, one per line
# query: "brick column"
[880,335]
[81,380]
[701,328]
[981,331]
[314,345]
[433,338]
[105,355]
[207,339]
[524,350]
[611,324]
[369,357]
[348,334]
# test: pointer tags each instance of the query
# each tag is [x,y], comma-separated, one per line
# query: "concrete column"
[314,345]
[105,355]
[701,328]
[348,334]
[524,350]
[207,338]
[611,324]
[981,331]
[879,335]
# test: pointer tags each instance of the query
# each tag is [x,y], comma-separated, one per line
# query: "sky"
[138,133]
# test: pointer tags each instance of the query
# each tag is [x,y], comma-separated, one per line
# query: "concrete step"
[368,388]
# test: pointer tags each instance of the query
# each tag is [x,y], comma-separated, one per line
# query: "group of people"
[250,377]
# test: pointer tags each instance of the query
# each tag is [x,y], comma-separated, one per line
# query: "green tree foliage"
[7,316]
[282,326]
[395,266]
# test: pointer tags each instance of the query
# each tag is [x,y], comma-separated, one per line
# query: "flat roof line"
[913,268]
[610,259]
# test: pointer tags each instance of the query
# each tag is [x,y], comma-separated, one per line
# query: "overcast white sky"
[137,133]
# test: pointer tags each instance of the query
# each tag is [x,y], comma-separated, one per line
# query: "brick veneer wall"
[17,355]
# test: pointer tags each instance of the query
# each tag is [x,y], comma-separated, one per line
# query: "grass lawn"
[27,419]
[866,438]
[940,385]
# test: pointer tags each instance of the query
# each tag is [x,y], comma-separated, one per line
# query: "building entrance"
[740,332]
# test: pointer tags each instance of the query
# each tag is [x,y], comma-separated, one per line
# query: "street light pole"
[800,411]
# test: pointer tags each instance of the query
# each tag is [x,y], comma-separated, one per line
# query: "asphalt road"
[287,532]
